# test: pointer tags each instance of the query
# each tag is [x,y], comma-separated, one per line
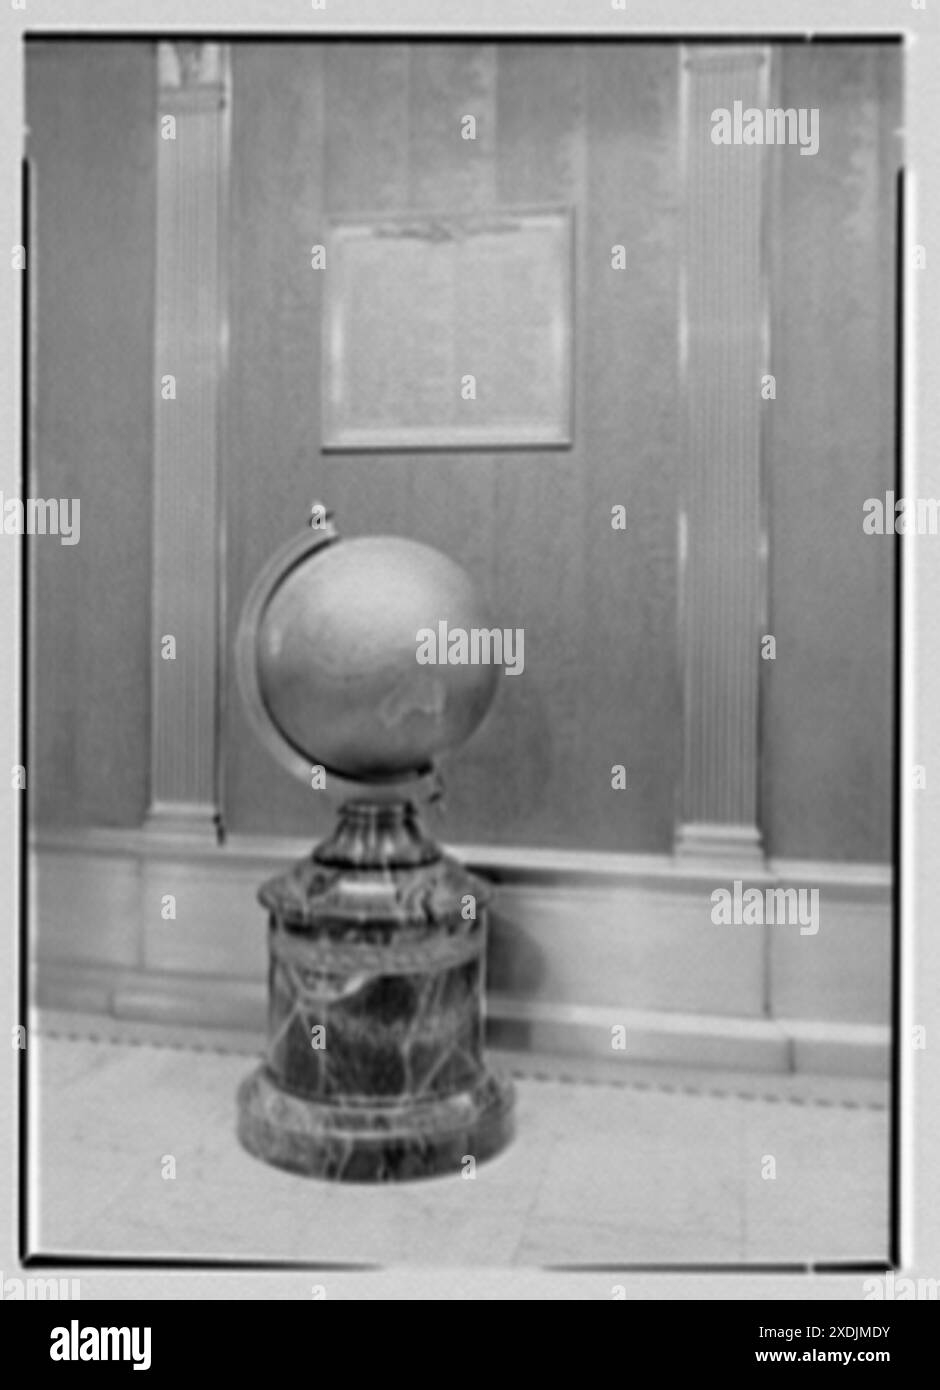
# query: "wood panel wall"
[365,126]
[91,112]
[828,707]
[325,129]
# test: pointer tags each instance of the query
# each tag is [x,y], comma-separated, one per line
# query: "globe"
[346,660]
[335,638]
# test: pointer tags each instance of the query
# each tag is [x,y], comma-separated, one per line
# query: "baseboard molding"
[502,863]
[237,1009]
[580,944]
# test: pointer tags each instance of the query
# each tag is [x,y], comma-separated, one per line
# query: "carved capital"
[187,66]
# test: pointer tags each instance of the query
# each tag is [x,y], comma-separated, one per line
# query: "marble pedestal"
[374,1068]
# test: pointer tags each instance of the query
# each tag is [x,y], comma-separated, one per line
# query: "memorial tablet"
[446,331]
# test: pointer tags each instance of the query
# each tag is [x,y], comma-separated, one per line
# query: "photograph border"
[917,572]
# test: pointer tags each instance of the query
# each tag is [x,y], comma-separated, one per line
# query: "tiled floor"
[635,1169]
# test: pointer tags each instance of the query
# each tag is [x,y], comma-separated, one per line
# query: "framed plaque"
[446,331]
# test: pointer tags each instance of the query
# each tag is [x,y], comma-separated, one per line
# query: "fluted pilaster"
[722,545]
[192,147]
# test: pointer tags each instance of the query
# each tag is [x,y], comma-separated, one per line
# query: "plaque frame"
[342,434]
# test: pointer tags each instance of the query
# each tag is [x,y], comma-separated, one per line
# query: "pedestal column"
[374,1068]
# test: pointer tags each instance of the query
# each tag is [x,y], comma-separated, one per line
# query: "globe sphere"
[337,647]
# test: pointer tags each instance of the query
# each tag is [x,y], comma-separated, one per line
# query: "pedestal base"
[370,1143]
